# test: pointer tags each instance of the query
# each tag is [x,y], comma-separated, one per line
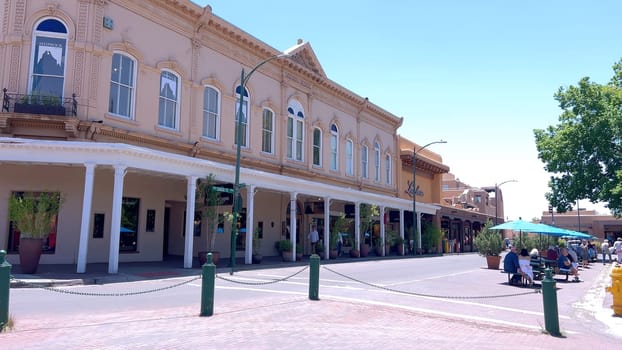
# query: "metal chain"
[118,294]
[262,283]
[430,295]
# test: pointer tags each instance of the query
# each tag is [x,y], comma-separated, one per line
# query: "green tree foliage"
[584,151]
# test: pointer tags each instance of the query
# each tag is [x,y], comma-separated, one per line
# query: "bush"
[488,242]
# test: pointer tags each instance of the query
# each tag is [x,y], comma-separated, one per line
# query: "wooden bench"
[510,274]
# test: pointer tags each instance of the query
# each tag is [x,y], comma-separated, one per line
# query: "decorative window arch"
[295,130]
[168,112]
[47,73]
[211,112]
[245,97]
[334,147]
[122,85]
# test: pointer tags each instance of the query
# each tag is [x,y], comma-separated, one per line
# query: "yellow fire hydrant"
[616,289]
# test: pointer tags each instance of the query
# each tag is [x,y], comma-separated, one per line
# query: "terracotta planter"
[355,253]
[493,261]
[203,257]
[333,254]
[287,256]
[257,258]
[364,250]
[29,254]
[400,249]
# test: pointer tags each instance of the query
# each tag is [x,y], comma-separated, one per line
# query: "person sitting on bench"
[510,265]
[564,263]
[524,263]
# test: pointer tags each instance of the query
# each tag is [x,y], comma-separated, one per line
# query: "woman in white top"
[524,263]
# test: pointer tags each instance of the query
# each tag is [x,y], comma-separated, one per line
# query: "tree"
[584,151]
[207,201]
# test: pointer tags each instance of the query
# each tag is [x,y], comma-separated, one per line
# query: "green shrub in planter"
[488,242]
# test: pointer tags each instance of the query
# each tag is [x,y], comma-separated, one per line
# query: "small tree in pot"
[490,245]
[33,215]
[208,200]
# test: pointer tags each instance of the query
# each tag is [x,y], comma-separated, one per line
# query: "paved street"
[441,302]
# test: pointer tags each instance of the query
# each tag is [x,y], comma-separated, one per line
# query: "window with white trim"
[245,117]
[388,169]
[295,130]
[376,161]
[317,147]
[122,78]
[211,113]
[47,74]
[364,162]
[169,100]
[349,158]
[334,147]
[267,131]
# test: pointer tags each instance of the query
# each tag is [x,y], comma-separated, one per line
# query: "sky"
[478,74]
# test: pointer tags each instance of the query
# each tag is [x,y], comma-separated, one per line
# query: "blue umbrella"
[517,225]
[125,230]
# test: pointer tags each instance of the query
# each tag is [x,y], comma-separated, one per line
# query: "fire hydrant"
[616,289]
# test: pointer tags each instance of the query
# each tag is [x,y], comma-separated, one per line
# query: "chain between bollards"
[314,277]
[5,286]
[549,300]
[207,287]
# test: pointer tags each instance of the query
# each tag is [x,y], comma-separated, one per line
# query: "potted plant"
[285,247]
[207,201]
[431,237]
[39,104]
[490,245]
[367,213]
[319,249]
[256,247]
[334,241]
[340,225]
[33,215]
[298,252]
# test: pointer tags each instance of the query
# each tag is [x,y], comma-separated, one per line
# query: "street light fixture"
[497,199]
[237,186]
[415,217]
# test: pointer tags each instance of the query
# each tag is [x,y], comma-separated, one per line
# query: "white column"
[382,235]
[191,189]
[87,202]
[250,229]
[357,226]
[115,220]
[292,222]
[327,246]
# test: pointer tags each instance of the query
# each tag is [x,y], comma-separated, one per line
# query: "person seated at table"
[524,264]
[563,262]
[536,260]
[551,253]
[510,264]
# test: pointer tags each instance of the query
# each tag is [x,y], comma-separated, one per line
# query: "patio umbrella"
[518,225]
[125,230]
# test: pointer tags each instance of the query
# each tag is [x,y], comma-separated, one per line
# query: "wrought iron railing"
[39,104]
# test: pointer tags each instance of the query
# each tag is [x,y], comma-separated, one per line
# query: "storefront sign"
[418,190]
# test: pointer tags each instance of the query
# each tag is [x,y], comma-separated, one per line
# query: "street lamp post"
[237,186]
[497,199]
[415,217]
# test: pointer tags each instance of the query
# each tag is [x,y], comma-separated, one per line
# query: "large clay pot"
[287,255]
[30,250]
[364,250]
[493,261]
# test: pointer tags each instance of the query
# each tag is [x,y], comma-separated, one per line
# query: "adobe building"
[123,106]
[586,221]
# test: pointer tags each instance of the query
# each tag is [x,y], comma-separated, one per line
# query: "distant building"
[587,221]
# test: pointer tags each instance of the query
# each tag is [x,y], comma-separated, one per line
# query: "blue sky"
[479,74]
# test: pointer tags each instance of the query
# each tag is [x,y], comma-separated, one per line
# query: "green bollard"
[314,277]
[5,286]
[549,300]
[207,287]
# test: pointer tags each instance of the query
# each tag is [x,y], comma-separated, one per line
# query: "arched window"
[317,147]
[245,116]
[364,162]
[376,161]
[267,131]
[169,100]
[349,158]
[211,113]
[122,80]
[48,58]
[388,168]
[295,130]
[334,147]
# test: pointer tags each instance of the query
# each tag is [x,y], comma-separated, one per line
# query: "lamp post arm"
[245,78]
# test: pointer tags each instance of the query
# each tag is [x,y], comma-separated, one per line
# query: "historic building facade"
[122,106]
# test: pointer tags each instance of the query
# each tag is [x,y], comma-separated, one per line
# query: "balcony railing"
[39,104]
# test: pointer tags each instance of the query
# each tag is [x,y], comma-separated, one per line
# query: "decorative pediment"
[303,54]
